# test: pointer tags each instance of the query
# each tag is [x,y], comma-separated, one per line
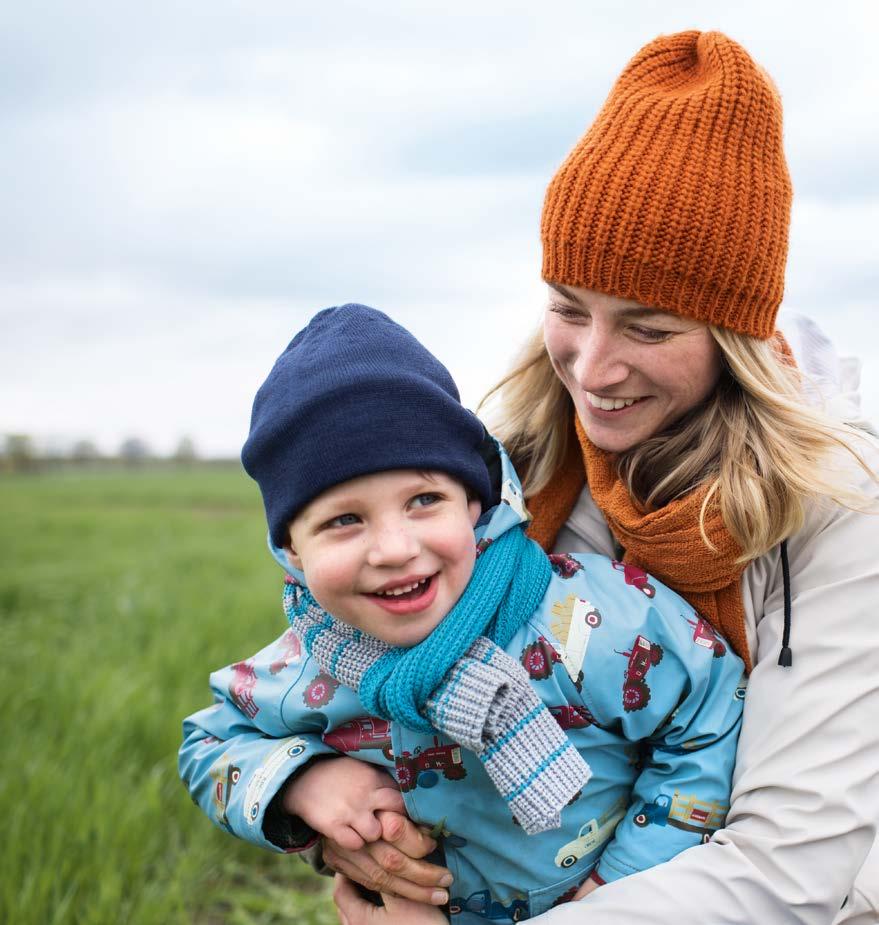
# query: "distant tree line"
[21,453]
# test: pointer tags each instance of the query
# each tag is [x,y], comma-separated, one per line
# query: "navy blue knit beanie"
[355,393]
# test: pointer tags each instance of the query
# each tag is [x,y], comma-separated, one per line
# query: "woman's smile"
[598,403]
[630,370]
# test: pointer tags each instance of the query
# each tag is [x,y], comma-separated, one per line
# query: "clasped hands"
[368,839]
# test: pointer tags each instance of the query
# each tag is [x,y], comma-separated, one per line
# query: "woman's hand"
[355,910]
[367,836]
[339,797]
[391,865]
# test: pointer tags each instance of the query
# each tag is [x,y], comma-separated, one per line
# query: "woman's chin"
[619,434]
[613,440]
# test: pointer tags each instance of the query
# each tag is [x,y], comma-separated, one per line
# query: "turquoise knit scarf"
[460,681]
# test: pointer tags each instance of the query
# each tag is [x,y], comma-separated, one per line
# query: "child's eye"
[425,500]
[343,520]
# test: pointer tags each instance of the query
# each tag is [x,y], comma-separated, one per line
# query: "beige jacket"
[805,802]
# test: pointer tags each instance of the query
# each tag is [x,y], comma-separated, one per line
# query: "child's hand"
[355,910]
[340,797]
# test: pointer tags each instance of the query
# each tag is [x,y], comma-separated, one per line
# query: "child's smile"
[408,597]
[389,553]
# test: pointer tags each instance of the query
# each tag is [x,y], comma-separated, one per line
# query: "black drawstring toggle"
[785,657]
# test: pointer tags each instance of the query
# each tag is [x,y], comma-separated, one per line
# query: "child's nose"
[393,546]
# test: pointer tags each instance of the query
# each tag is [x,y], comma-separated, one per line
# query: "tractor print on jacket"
[563,565]
[538,657]
[643,655]
[704,635]
[320,691]
[418,768]
[291,652]
[689,813]
[572,716]
[362,732]
[636,577]
[241,688]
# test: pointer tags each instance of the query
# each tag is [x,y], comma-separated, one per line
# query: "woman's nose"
[393,545]
[601,360]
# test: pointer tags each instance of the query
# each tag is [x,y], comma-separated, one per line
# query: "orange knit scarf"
[666,543]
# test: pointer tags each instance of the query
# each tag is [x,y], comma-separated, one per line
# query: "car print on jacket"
[573,621]
[511,494]
[225,776]
[241,688]
[418,768]
[360,733]
[592,835]
[705,636]
[484,904]
[683,812]
[642,657]
[636,577]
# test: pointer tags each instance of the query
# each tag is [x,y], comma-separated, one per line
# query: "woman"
[660,420]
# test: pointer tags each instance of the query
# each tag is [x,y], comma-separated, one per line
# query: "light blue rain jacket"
[646,690]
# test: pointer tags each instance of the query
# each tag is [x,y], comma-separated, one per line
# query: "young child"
[554,718]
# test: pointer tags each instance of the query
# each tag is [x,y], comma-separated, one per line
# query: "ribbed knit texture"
[666,543]
[678,196]
[460,682]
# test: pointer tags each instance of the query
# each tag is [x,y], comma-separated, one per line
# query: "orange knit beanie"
[678,196]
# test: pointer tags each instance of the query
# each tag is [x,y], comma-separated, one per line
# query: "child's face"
[401,531]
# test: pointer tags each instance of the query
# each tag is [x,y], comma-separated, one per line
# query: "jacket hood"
[508,510]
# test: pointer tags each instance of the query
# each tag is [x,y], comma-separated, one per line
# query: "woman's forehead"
[629,308]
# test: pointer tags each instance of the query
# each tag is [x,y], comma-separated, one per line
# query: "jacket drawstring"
[785,657]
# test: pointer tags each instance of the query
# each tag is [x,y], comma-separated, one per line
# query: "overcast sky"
[185,183]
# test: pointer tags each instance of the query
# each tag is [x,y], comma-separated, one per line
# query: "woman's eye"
[569,312]
[343,520]
[425,500]
[650,334]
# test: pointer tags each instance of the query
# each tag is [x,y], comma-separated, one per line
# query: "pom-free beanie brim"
[678,196]
[355,393]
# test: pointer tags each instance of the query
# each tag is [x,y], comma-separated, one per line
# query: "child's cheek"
[326,582]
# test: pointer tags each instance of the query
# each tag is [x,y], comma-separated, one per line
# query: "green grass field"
[119,592]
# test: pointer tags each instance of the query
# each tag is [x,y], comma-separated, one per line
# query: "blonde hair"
[760,450]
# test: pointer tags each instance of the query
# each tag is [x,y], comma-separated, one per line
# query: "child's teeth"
[403,589]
